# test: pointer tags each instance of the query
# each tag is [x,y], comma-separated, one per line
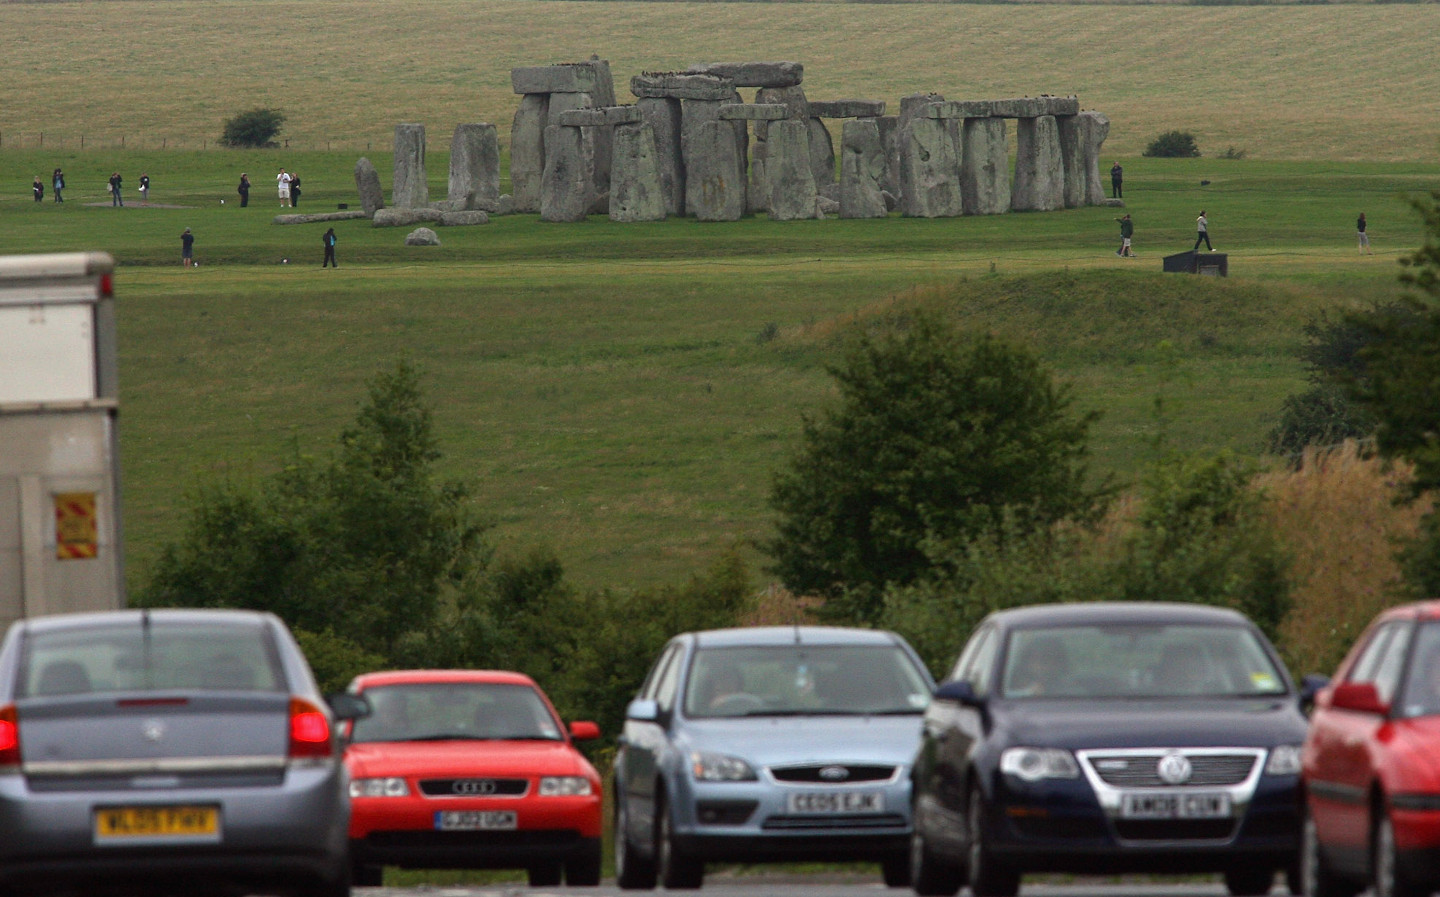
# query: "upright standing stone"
[1072,157]
[912,106]
[527,151]
[410,189]
[714,172]
[636,193]
[984,167]
[929,170]
[1039,171]
[560,103]
[1093,128]
[792,97]
[694,115]
[862,169]
[367,182]
[822,153]
[475,167]
[792,186]
[603,95]
[567,190]
[887,125]
[662,114]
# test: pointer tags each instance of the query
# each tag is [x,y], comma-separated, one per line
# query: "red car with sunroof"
[1372,764]
[470,769]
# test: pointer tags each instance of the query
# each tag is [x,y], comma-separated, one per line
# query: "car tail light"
[309,731]
[9,736]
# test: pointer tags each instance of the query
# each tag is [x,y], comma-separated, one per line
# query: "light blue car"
[769,744]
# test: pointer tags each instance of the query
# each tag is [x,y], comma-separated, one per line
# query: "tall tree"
[937,436]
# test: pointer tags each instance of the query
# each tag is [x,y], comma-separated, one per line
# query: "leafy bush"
[1320,416]
[253,128]
[1173,145]
[1234,153]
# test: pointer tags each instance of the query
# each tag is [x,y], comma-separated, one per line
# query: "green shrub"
[253,128]
[1173,145]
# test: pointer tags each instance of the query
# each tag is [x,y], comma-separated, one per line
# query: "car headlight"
[386,787]
[1284,760]
[564,786]
[708,767]
[1034,764]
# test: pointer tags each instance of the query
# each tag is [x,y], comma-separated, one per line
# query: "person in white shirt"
[1202,233]
[283,180]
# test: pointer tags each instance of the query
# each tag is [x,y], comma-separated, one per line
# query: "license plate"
[474,820]
[1173,805]
[835,802]
[182,823]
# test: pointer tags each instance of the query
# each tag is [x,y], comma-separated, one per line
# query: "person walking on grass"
[1127,230]
[1202,233]
[329,241]
[144,188]
[244,190]
[187,249]
[117,198]
[57,181]
[38,188]
[1364,237]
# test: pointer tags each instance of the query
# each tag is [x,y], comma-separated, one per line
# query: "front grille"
[1141,771]
[473,787]
[725,812]
[830,773]
[823,823]
[1175,829]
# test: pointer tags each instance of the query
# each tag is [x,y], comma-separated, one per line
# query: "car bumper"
[752,821]
[1061,827]
[402,832]
[267,834]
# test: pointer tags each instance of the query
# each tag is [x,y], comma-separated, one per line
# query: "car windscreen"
[445,711]
[158,656]
[1421,693]
[804,680]
[1138,661]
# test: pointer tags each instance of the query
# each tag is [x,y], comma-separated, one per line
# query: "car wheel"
[632,871]
[335,886]
[929,875]
[363,875]
[1249,881]
[583,869]
[1390,880]
[676,871]
[895,870]
[1316,879]
[988,877]
[543,875]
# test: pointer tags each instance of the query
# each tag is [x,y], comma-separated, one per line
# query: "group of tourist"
[289,185]
[57,185]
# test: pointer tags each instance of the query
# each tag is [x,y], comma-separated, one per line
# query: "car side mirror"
[1310,686]
[346,706]
[1361,697]
[643,711]
[958,692]
[584,730]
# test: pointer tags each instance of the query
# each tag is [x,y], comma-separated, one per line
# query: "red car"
[469,769]
[1372,764]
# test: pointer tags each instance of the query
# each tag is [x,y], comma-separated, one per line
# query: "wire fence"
[14,140]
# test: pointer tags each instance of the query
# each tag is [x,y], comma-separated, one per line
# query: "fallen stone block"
[847,108]
[398,217]
[422,236]
[466,218]
[754,74]
[574,77]
[320,217]
[682,86]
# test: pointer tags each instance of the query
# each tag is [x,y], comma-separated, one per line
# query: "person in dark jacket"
[145,187]
[294,189]
[57,181]
[1127,230]
[244,190]
[38,188]
[1117,179]
[1364,237]
[187,248]
[117,196]
[329,241]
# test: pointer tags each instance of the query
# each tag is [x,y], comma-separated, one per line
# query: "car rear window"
[777,680]
[446,711]
[1138,661]
[1421,696]
[159,656]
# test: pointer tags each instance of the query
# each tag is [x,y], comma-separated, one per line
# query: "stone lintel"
[682,86]
[1034,107]
[577,77]
[754,112]
[601,117]
[847,108]
[951,109]
[754,74]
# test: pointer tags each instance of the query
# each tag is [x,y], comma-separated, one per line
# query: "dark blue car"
[1109,738]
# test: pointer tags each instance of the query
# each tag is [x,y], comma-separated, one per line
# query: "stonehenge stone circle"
[409,189]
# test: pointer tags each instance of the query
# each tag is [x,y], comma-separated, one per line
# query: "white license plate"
[835,802]
[474,820]
[1175,805]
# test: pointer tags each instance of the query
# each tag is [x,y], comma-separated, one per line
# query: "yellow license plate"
[133,823]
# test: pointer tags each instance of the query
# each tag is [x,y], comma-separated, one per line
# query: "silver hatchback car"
[765,744]
[169,751]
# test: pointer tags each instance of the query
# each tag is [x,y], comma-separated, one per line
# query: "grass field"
[624,392]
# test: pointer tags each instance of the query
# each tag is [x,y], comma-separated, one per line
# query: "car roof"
[60,622]
[1416,610]
[759,636]
[424,677]
[1114,612]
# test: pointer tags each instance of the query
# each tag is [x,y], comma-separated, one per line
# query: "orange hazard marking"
[76,529]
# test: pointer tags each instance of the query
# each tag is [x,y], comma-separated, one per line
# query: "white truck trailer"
[59,463]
